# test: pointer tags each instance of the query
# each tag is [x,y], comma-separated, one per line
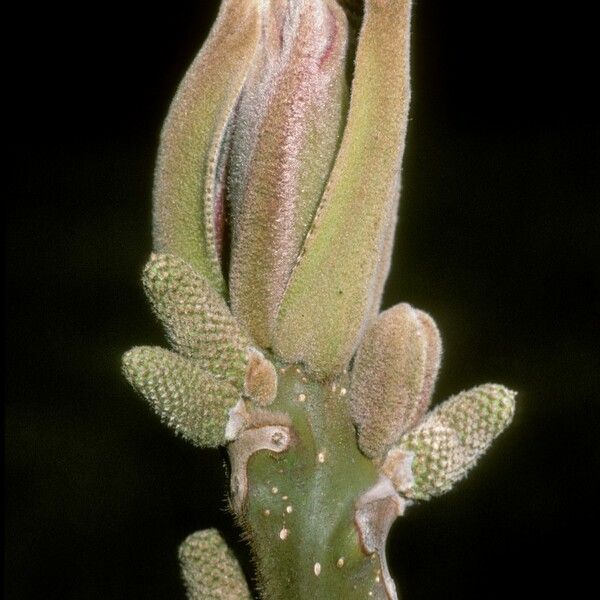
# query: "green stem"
[300,511]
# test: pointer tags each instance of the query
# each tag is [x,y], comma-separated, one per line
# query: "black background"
[498,239]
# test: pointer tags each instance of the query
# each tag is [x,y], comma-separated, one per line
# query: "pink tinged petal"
[188,188]
[287,131]
[338,278]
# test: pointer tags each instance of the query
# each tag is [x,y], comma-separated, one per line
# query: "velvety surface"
[497,240]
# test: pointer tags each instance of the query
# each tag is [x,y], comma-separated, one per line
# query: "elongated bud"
[188,399]
[444,447]
[337,281]
[189,189]
[392,379]
[210,570]
[286,134]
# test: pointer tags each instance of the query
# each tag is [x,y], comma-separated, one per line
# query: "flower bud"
[281,154]
[392,380]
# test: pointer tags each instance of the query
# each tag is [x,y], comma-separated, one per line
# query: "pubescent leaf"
[332,290]
[288,127]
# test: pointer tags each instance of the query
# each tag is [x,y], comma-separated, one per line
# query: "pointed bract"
[189,192]
[210,570]
[336,282]
[188,399]
[197,320]
[393,375]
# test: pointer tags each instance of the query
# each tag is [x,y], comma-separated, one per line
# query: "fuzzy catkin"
[197,319]
[188,399]
[209,568]
[450,440]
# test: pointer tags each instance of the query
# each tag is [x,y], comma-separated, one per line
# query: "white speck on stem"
[288,509]
[274,490]
[301,397]
[340,562]
[321,457]
[317,569]
[283,533]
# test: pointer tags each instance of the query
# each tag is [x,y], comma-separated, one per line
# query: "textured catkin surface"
[210,570]
[478,415]
[438,461]
[197,319]
[451,438]
[188,399]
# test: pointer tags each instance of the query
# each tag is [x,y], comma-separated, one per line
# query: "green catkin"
[449,441]
[197,319]
[209,568]
[188,399]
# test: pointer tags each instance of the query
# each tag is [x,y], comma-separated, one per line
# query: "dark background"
[498,239]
